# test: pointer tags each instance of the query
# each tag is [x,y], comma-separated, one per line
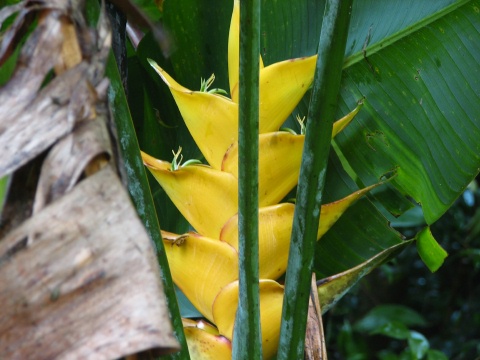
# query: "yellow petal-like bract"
[205,196]
[282,86]
[211,119]
[280,154]
[200,267]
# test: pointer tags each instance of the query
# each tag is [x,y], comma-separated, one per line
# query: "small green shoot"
[178,158]
[205,84]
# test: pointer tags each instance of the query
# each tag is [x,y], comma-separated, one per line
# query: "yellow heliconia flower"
[204,264]
[280,156]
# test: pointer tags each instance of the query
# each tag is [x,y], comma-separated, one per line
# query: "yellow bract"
[205,196]
[200,267]
[282,86]
[211,119]
[280,155]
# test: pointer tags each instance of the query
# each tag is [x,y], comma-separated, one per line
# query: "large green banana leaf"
[415,63]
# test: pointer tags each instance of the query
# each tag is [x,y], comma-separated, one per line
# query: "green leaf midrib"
[399,35]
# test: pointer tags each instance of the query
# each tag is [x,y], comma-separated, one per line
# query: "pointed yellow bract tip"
[167,79]
[153,163]
[282,86]
[342,123]
[234,51]
[203,343]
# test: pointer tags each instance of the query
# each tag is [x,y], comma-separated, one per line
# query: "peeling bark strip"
[78,279]
[315,348]
[70,158]
[87,287]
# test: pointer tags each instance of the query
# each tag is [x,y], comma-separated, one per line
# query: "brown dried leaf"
[28,129]
[314,339]
[71,54]
[68,160]
[88,287]
[34,62]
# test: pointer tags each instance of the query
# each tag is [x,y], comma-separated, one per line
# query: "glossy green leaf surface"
[421,115]
[409,115]
[360,234]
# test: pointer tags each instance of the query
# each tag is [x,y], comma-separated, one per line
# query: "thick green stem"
[321,114]
[247,334]
[139,190]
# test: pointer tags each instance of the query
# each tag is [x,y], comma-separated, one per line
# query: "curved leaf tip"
[430,251]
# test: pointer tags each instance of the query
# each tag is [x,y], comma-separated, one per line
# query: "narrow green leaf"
[430,250]
[323,104]
[139,190]
[247,332]
[332,288]
[138,186]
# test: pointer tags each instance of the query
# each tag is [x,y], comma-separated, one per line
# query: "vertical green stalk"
[138,186]
[321,114]
[141,196]
[247,334]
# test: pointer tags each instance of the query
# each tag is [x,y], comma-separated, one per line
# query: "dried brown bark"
[78,273]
